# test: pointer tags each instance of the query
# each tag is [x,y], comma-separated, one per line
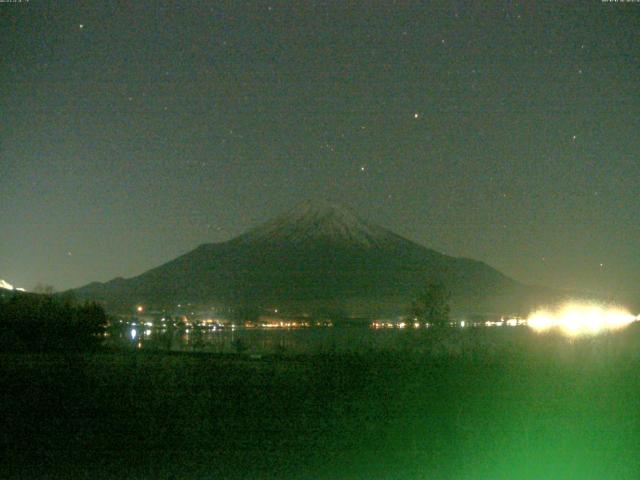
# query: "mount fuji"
[317,259]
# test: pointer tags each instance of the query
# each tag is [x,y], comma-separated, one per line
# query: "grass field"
[484,405]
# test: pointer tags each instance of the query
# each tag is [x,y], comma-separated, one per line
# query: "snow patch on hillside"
[7,286]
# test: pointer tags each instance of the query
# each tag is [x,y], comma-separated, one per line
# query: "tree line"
[33,322]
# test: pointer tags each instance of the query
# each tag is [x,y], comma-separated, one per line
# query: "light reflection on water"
[348,339]
[259,340]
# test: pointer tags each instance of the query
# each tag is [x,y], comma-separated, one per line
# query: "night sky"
[507,132]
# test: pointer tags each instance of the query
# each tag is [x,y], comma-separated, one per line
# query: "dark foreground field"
[526,407]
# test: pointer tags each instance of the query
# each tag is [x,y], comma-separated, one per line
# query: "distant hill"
[318,259]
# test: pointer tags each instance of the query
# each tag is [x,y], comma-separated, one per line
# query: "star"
[328,146]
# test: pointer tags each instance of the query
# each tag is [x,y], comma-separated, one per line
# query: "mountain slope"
[317,258]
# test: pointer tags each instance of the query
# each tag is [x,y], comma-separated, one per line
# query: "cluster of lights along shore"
[571,319]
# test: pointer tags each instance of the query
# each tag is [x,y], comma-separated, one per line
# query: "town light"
[575,319]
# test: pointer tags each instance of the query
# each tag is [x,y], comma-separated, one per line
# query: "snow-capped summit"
[7,286]
[320,221]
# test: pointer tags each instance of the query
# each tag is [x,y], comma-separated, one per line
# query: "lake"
[324,340]
[262,341]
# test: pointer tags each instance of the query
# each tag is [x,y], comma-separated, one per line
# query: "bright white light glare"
[133,333]
[576,319]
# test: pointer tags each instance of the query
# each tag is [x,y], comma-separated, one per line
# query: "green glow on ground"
[524,406]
